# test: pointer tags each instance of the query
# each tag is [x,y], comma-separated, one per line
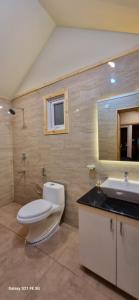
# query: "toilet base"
[41,231]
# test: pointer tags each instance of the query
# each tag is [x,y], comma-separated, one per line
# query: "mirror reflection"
[118,128]
[129,134]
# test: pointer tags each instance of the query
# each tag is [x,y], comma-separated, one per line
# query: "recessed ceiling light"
[1,106]
[112,80]
[111,64]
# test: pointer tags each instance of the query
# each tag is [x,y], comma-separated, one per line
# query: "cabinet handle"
[121,228]
[111,225]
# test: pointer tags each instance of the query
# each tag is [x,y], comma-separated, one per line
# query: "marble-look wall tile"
[65,156]
[6,154]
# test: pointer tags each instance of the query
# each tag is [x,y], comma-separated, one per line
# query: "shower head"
[11,111]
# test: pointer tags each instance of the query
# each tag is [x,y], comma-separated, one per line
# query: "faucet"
[126,176]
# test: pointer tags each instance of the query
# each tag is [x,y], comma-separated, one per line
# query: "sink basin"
[119,189]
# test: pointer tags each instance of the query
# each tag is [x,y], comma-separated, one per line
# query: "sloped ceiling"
[24,29]
[113,15]
[70,49]
[27,25]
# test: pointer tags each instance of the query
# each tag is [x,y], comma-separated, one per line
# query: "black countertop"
[96,198]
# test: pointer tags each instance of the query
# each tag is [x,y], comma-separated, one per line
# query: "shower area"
[6,154]
[7,114]
[23,169]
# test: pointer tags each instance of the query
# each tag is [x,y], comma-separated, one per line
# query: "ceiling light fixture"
[111,64]
[112,80]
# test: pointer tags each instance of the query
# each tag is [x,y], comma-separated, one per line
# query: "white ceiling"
[26,26]
[24,29]
[70,49]
[113,15]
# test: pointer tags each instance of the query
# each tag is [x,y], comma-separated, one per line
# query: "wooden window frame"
[54,97]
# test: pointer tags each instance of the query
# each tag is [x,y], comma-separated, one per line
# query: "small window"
[59,114]
[56,113]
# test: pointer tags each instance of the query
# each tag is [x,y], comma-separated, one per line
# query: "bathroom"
[30,156]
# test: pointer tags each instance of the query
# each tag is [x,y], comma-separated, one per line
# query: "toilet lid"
[34,208]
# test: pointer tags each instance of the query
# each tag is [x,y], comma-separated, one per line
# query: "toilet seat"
[34,208]
[35,211]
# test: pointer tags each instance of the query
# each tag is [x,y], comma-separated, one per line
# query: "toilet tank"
[54,192]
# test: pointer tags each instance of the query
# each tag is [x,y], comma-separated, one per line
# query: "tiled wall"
[6,154]
[65,156]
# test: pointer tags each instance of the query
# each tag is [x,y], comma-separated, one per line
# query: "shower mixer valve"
[24,156]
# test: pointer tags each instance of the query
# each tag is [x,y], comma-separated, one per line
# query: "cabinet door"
[97,233]
[128,256]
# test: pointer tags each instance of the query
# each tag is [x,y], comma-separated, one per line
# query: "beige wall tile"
[65,156]
[6,154]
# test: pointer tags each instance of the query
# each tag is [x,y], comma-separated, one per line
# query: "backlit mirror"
[118,128]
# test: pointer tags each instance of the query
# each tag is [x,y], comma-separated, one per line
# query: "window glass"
[58,113]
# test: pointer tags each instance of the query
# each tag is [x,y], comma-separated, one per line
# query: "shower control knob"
[24,156]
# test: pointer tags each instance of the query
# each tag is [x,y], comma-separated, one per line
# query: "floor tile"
[23,266]
[58,242]
[8,215]
[9,240]
[70,258]
[53,265]
[61,284]
[11,208]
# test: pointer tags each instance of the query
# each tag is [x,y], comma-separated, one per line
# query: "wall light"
[111,64]
[1,107]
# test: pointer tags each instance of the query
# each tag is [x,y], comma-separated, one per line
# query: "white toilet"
[43,215]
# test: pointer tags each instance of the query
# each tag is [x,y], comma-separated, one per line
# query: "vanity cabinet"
[98,242]
[128,255]
[109,246]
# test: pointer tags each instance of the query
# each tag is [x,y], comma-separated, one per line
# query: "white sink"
[119,189]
